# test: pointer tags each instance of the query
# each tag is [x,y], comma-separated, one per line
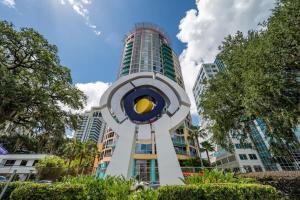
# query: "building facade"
[92,126]
[253,155]
[24,164]
[148,49]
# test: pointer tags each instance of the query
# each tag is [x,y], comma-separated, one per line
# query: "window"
[180,150]
[193,152]
[23,163]
[143,148]
[231,158]
[9,162]
[243,146]
[247,168]
[243,156]
[35,162]
[257,168]
[252,157]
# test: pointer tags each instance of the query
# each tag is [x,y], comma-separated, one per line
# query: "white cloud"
[203,29]
[9,3]
[79,6]
[93,91]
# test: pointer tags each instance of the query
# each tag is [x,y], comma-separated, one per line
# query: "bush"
[286,182]
[287,186]
[148,194]
[216,176]
[230,191]
[51,168]
[102,189]
[49,192]
[11,187]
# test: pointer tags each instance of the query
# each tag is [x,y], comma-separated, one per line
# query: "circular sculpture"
[139,105]
[142,106]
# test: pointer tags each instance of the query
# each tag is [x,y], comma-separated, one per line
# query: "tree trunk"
[207,157]
[201,162]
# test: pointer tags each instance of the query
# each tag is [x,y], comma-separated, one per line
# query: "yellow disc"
[143,105]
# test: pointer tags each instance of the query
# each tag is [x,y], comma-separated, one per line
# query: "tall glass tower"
[148,49]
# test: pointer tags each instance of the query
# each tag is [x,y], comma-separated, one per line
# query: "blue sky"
[89,56]
[89,33]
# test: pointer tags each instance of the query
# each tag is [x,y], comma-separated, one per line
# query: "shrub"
[11,187]
[49,192]
[230,191]
[51,168]
[102,189]
[148,194]
[287,186]
[216,176]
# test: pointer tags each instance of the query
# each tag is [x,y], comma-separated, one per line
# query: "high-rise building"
[206,72]
[147,49]
[92,126]
[245,156]
[251,155]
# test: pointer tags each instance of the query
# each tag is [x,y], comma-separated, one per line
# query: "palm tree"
[86,150]
[195,133]
[70,151]
[207,146]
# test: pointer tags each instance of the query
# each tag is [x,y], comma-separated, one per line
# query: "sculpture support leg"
[168,166]
[121,161]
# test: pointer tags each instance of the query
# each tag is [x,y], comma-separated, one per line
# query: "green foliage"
[287,186]
[11,187]
[216,176]
[230,191]
[16,142]
[49,192]
[116,188]
[79,154]
[147,194]
[193,162]
[51,168]
[34,85]
[110,188]
[260,81]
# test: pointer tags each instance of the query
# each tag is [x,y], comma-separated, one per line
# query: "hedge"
[287,183]
[11,187]
[228,191]
[49,192]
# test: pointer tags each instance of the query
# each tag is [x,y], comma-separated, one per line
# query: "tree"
[34,86]
[194,134]
[261,81]
[83,153]
[70,151]
[51,168]
[14,143]
[86,151]
[207,146]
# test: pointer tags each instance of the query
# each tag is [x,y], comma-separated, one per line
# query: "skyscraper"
[92,126]
[245,156]
[252,155]
[147,49]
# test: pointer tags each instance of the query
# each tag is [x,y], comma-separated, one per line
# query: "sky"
[89,33]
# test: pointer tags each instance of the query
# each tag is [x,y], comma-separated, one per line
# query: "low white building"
[23,163]
[245,157]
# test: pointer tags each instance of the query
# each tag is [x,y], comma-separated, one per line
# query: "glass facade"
[92,126]
[145,170]
[147,49]
[143,148]
[262,149]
